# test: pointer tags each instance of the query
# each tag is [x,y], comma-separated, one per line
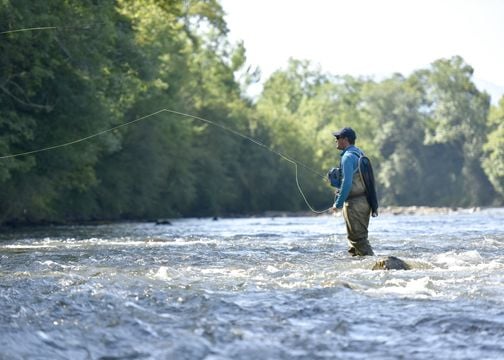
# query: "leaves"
[493,161]
[432,136]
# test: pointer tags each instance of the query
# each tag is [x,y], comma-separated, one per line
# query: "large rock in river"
[391,263]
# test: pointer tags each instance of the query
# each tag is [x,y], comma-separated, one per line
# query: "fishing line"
[41,28]
[254,141]
[29,29]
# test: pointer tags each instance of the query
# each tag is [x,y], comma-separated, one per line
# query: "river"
[254,288]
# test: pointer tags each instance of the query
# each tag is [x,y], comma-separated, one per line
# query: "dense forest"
[71,69]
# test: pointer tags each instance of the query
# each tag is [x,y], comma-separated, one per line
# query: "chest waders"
[356,211]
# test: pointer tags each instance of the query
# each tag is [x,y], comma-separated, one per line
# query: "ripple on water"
[254,288]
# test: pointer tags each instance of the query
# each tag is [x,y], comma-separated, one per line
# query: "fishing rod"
[293,161]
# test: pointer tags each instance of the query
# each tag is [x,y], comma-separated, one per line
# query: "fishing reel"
[334,176]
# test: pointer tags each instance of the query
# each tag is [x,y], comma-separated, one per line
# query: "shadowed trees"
[433,137]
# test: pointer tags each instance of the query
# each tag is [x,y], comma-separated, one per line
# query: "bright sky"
[372,37]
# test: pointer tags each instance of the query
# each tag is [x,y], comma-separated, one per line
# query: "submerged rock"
[391,263]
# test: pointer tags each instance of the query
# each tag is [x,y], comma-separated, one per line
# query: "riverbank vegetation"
[433,136]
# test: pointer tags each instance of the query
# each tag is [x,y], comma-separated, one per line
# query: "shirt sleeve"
[347,168]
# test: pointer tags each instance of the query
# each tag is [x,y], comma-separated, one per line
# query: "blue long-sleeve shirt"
[349,164]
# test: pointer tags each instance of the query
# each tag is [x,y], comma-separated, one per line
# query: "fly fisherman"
[351,196]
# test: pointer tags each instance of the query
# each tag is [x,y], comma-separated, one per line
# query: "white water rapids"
[256,288]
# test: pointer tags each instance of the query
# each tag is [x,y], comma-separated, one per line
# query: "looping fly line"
[254,141]
[292,161]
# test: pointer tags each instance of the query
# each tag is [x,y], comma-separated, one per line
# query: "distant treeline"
[69,69]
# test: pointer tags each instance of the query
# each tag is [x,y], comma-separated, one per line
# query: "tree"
[59,85]
[493,162]
[395,106]
[458,113]
[290,109]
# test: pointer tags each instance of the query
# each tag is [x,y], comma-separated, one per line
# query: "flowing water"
[256,288]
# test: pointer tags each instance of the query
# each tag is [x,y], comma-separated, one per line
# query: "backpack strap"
[359,157]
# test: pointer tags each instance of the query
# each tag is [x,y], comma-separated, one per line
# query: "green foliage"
[431,136]
[458,114]
[394,105]
[493,162]
[289,107]
[58,86]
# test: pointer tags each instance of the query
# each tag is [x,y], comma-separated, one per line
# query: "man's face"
[341,143]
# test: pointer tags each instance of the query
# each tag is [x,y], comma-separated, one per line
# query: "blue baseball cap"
[346,132]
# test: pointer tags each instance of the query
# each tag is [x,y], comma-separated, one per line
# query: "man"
[352,194]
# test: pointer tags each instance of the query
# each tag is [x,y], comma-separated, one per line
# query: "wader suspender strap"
[370,193]
[359,156]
